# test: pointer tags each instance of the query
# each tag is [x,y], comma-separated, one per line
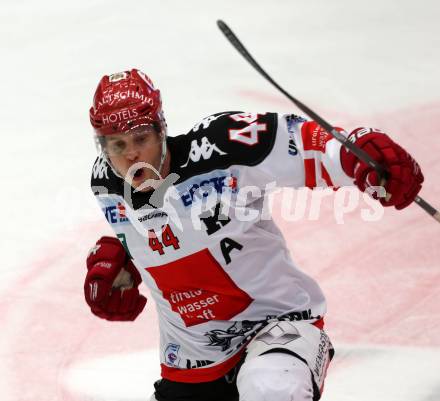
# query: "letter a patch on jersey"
[204,151]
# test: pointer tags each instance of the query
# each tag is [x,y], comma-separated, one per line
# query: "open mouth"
[138,174]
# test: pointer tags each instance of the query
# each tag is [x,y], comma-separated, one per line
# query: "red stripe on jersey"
[314,137]
[199,375]
[310,172]
[326,176]
[319,324]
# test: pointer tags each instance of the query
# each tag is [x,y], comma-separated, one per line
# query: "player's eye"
[117,147]
[141,139]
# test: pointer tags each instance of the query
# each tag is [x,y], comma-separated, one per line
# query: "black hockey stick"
[381,171]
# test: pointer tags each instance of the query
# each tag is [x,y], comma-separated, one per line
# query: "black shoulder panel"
[104,180]
[222,140]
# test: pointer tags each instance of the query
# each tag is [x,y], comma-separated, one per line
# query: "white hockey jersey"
[215,263]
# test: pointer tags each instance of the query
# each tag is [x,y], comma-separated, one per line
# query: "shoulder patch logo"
[100,169]
[204,150]
[172,354]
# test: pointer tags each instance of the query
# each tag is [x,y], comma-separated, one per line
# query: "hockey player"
[238,319]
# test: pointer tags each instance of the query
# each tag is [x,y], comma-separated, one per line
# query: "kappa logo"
[100,169]
[204,150]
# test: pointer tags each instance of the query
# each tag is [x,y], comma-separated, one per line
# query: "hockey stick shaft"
[359,153]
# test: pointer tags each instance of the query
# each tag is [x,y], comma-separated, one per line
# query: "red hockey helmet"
[127,103]
[124,101]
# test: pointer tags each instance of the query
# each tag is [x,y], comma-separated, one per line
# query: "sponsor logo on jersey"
[301,315]
[292,149]
[248,329]
[224,338]
[292,121]
[200,289]
[152,215]
[198,363]
[115,214]
[202,188]
[314,137]
[172,354]
[203,151]
[121,210]
[100,168]
[173,359]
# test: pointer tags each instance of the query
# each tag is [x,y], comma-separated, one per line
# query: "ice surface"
[356,63]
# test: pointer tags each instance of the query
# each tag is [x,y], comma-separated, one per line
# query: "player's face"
[132,154]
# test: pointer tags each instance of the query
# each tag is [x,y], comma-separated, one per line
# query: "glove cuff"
[131,268]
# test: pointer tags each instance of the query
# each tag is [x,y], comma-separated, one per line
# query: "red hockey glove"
[106,260]
[405,177]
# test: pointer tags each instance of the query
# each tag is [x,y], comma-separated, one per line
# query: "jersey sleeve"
[303,155]
[266,149]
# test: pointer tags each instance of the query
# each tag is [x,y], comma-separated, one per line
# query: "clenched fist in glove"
[405,177]
[104,290]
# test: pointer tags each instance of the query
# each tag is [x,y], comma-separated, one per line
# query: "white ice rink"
[356,63]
